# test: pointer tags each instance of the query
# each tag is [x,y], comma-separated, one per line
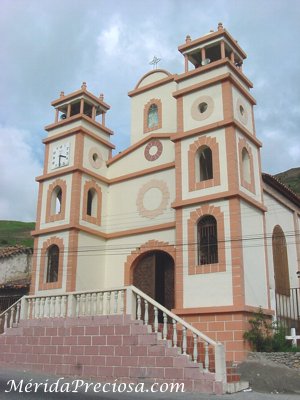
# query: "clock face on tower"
[60,155]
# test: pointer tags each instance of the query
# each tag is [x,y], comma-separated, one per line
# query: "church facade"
[184,213]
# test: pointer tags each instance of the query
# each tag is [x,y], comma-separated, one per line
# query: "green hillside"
[291,179]
[15,232]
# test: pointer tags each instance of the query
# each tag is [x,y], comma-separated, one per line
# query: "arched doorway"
[153,273]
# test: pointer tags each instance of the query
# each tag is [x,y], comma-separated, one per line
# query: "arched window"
[152,120]
[207,240]
[280,261]
[205,163]
[246,165]
[56,201]
[52,263]
[91,207]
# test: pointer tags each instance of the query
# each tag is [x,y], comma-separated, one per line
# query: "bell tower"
[219,199]
[71,190]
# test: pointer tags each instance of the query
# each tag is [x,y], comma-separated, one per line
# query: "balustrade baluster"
[155,319]
[174,333]
[146,316]
[52,307]
[29,309]
[5,321]
[18,313]
[184,342]
[83,304]
[42,307]
[108,294]
[101,303]
[37,308]
[122,302]
[116,296]
[94,304]
[139,308]
[64,307]
[12,314]
[47,307]
[58,306]
[206,358]
[88,304]
[77,311]
[195,351]
[165,326]
[33,309]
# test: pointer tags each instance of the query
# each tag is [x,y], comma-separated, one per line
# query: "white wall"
[255,270]
[17,266]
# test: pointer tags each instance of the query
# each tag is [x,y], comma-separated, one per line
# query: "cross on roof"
[154,62]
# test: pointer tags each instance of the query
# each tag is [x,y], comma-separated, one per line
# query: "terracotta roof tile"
[9,251]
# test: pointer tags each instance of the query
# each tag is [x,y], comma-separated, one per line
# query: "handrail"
[174,316]
[113,289]
[13,305]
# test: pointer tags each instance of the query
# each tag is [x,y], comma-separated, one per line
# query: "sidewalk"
[27,376]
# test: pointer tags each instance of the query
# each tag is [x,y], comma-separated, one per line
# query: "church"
[185,213]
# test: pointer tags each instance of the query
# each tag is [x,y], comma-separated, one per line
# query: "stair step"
[102,347]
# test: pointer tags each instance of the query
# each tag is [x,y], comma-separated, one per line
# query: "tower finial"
[220,26]
[62,94]
[83,86]
[101,97]
[187,39]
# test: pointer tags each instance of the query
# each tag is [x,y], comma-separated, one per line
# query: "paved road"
[16,391]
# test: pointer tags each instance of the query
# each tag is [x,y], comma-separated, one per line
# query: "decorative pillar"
[103,119]
[203,54]
[94,113]
[222,49]
[186,63]
[56,115]
[232,57]
[69,111]
[81,106]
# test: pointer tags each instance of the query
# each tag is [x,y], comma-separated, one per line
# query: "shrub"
[264,336]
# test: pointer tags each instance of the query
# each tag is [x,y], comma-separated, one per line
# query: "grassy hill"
[15,232]
[291,178]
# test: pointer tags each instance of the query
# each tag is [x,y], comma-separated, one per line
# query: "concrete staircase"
[105,348]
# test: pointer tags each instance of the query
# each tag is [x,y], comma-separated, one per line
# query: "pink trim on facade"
[51,216]
[195,216]
[43,285]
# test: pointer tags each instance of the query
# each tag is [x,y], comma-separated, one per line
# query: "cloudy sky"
[53,45]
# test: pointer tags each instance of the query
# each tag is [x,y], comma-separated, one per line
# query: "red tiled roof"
[16,284]
[9,251]
[282,188]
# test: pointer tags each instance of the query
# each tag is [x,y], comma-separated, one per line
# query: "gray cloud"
[48,46]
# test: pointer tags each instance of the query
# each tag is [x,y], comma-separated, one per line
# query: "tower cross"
[154,62]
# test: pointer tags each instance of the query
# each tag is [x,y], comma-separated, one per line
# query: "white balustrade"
[92,303]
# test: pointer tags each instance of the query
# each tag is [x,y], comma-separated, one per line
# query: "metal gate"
[288,309]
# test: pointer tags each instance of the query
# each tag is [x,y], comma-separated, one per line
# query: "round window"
[203,107]
[241,111]
[95,157]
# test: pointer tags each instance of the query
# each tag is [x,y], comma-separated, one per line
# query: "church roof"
[281,188]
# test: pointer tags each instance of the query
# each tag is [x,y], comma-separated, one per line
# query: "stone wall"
[291,360]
